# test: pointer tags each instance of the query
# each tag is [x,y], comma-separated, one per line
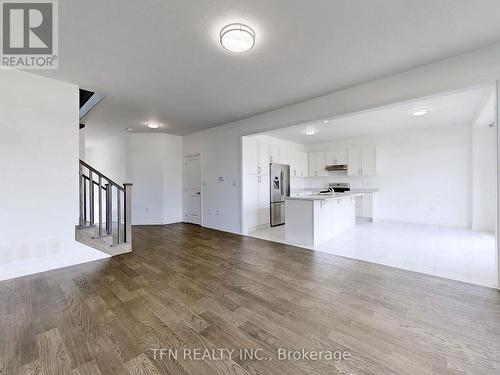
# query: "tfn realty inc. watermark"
[29,34]
[258,354]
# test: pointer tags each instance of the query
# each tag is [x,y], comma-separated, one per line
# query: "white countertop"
[364,190]
[323,197]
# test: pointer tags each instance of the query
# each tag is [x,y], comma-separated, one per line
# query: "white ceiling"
[454,109]
[160,59]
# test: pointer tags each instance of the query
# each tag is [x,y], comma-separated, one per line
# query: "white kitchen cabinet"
[313,221]
[257,201]
[362,161]
[274,153]
[257,156]
[251,152]
[264,157]
[317,164]
[364,206]
[354,162]
[336,157]
[252,201]
[264,199]
[369,161]
[294,163]
[343,215]
[304,164]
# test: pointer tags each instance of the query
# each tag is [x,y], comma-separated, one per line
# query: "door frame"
[497,123]
[184,190]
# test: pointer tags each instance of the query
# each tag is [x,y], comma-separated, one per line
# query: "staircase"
[105,213]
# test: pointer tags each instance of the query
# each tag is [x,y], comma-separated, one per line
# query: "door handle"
[198,193]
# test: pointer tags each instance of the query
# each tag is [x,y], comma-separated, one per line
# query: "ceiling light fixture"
[237,37]
[153,125]
[326,121]
[310,131]
[420,111]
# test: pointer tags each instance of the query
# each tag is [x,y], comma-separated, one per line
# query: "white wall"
[154,166]
[108,157]
[39,151]
[424,176]
[221,146]
[484,176]
[81,144]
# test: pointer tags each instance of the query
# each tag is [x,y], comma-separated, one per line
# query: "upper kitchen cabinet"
[298,164]
[317,164]
[362,161]
[336,157]
[304,164]
[274,153]
[257,155]
[264,157]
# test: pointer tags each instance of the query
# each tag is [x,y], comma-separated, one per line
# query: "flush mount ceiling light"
[153,124]
[310,131]
[420,111]
[237,37]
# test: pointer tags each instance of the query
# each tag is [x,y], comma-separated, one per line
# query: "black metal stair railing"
[110,211]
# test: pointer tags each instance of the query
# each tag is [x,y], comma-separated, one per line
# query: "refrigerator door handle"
[281,179]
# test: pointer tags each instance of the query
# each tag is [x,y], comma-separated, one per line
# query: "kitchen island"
[312,219]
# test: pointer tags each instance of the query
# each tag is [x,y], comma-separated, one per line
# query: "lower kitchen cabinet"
[343,215]
[257,201]
[364,206]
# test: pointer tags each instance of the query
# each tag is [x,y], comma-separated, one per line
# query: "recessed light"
[237,37]
[310,131]
[153,125]
[130,129]
[420,111]
[326,121]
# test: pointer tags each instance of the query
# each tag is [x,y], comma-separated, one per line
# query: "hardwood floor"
[186,287]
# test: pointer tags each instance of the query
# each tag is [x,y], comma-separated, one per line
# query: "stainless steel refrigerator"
[280,188]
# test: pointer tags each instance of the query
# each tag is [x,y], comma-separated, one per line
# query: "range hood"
[336,167]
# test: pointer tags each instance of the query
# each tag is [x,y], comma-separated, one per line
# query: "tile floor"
[453,253]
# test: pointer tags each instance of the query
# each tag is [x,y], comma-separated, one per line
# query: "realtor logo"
[29,34]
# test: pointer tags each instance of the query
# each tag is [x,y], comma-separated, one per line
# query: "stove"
[339,187]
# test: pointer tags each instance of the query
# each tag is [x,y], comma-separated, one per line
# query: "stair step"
[89,236]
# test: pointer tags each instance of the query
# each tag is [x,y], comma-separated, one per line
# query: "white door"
[192,189]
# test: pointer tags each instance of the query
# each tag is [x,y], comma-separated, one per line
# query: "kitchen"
[281,170]
[405,186]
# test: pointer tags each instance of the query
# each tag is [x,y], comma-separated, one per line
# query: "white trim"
[243,228]
[184,211]
[497,122]
[224,230]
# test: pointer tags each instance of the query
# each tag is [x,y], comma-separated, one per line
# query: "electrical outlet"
[146,209]
[217,212]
